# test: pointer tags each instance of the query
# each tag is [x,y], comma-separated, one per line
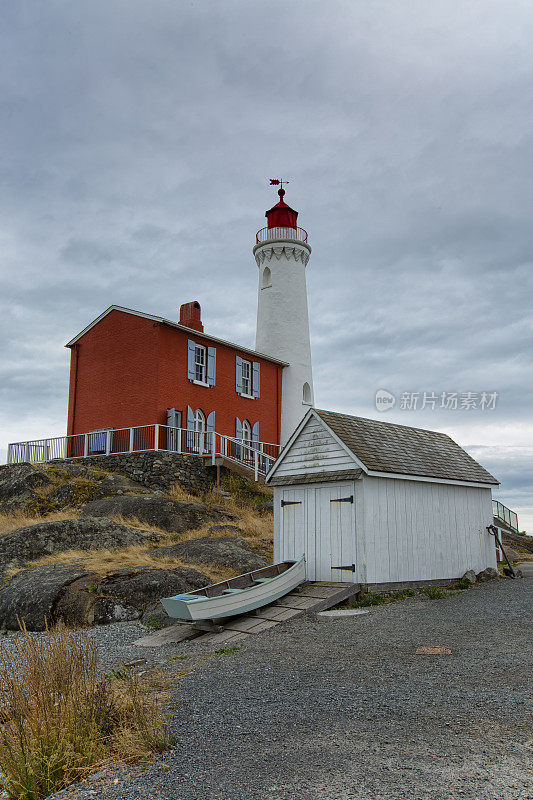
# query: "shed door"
[293,515]
[335,533]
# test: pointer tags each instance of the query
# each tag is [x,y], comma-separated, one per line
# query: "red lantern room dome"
[281,215]
[281,222]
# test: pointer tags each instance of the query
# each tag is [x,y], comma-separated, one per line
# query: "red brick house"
[131,369]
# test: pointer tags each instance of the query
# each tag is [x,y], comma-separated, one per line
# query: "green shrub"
[434,592]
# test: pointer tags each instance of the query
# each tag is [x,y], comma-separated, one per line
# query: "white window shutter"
[238,428]
[238,375]
[256,380]
[255,435]
[211,365]
[190,360]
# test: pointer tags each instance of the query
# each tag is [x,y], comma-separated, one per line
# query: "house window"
[199,421]
[246,432]
[248,375]
[199,363]
[246,378]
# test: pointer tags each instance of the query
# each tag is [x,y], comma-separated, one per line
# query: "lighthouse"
[281,253]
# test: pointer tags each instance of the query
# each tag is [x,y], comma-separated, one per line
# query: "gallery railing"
[258,457]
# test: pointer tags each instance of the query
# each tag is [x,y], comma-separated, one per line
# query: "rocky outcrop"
[18,484]
[517,542]
[35,541]
[66,592]
[223,551]
[174,516]
[157,470]
[487,574]
[31,595]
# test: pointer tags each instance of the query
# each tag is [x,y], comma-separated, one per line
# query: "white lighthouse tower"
[282,253]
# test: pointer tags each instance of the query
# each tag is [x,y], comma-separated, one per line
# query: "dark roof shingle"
[386,447]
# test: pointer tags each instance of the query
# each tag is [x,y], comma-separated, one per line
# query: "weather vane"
[278,181]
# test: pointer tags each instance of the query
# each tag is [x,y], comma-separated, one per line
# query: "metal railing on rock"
[258,457]
[505,515]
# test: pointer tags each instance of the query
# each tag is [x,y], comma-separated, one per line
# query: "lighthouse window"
[199,363]
[267,278]
[246,378]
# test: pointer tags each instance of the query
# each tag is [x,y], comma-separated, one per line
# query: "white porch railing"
[258,457]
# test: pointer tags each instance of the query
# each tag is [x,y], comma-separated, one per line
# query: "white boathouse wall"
[399,530]
[415,530]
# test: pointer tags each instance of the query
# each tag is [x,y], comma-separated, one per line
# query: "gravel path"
[343,709]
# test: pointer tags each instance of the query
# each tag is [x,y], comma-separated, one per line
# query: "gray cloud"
[135,140]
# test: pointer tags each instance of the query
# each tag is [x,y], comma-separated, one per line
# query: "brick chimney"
[191,316]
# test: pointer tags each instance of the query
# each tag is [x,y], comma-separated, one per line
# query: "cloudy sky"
[136,140]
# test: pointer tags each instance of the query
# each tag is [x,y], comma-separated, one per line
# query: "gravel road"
[343,709]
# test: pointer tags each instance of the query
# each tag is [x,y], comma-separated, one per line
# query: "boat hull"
[228,605]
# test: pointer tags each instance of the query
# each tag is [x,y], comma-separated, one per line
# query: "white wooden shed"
[376,503]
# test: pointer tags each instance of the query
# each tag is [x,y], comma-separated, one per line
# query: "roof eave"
[171,324]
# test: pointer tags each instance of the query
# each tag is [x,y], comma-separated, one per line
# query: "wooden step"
[308,598]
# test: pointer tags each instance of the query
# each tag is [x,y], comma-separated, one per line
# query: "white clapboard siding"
[412,530]
[315,451]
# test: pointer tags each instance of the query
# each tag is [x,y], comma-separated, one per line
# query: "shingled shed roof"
[386,447]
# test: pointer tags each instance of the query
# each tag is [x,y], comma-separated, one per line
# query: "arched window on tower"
[266,278]
[306,394]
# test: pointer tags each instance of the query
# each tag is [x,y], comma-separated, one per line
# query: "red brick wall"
[116,382]
[176,391]
[127,370]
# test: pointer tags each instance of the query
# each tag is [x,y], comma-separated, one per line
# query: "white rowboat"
[237,595]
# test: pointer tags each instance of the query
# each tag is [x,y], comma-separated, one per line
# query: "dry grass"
[105,562]
[11,522]
[62,719]
[176,492]
[256,528]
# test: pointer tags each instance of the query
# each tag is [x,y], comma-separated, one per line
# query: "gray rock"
[117,485]
[72,494]
[18,483]
[32,594]
[469,576]
[130,593]
[221,528]
[47,538]
[75,606]
[139,586]
[488,574]
[74,469]
[107,610]
[512,554]
[224,551]
[518,542]
[170,515]
[156,617]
